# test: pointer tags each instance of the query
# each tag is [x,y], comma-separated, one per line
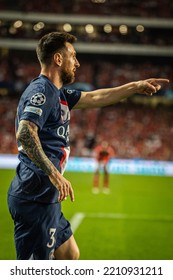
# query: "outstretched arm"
[108,96]
[27,134]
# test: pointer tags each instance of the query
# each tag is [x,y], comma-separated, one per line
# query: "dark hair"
[51,43]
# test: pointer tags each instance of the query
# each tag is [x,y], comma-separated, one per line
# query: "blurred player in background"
[102,153]
[42,131]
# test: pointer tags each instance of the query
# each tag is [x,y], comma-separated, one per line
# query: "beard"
[67,77]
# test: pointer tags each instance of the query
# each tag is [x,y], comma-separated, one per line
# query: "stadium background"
[118,41]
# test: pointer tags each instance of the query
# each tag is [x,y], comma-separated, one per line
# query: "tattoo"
[27,134]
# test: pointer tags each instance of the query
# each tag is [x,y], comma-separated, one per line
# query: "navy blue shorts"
[39,228]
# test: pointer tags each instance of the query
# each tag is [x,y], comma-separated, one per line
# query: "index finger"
[159,80]
[71,192]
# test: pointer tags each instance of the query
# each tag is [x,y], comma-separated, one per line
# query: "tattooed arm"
[27,134]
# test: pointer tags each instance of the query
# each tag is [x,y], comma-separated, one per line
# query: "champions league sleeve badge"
[38,99]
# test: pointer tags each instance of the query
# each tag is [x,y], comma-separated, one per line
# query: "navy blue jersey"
[49,108]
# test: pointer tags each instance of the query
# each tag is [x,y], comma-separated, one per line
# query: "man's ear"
[58,59]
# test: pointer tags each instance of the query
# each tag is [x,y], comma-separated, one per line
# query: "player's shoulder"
[41,85]
[38,93]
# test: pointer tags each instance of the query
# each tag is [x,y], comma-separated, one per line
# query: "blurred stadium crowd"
[135,130]
[141,127]
[17,69]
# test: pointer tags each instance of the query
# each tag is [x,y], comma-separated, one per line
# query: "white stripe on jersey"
[64,160]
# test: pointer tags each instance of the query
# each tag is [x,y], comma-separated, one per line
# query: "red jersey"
[103,152]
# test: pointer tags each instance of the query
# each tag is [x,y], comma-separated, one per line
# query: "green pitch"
[134,221]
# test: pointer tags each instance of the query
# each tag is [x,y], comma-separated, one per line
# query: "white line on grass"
[79,216]
[121,216]
[76,220]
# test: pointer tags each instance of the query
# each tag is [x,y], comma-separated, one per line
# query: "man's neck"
[52,76]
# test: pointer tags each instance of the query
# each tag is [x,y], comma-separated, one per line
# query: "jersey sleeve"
[72,96]
[37,105]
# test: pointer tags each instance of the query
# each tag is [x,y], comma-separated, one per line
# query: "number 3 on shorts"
[52,237]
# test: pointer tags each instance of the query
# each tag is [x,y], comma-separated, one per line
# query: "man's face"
[69,65]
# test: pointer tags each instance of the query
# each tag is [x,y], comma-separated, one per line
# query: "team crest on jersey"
[38,99]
